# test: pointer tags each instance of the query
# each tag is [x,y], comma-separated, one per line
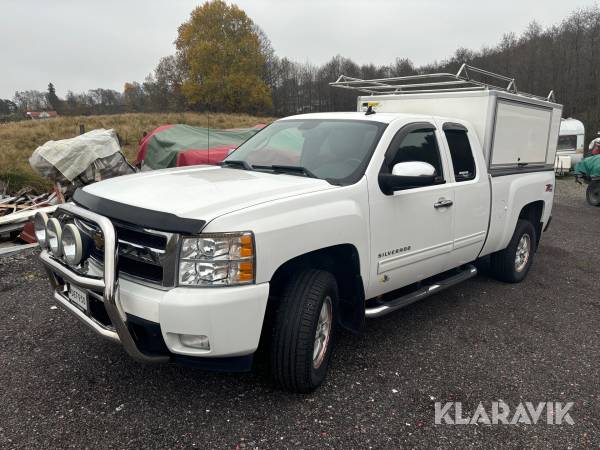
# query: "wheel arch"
[525,196]
[533,212]
[343,262]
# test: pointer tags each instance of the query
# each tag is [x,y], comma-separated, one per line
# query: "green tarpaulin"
[181,145]
[589,166]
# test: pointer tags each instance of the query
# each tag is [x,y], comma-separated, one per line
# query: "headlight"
[72,245]
[39,225]
[54,235]
[223,259]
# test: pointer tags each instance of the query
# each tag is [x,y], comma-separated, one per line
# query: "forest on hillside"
[564,57]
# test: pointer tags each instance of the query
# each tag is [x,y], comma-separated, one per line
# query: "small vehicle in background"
[588,170]
[592,193]
[594,146]
[570,148]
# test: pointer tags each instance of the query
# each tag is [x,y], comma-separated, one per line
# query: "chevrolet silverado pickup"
[318,221]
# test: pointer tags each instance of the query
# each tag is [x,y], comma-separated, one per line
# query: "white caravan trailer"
[570,146]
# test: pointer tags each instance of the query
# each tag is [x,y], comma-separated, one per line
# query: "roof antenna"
[369,110]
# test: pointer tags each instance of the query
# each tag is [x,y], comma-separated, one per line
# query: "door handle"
[443,203]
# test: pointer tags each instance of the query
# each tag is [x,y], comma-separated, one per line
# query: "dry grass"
[18,140]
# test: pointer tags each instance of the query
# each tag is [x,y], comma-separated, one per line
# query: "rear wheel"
[303,331]
[592,193]
[513,263]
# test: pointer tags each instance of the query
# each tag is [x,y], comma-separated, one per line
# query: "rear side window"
[462,156]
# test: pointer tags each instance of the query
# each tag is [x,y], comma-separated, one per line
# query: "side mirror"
[406,175]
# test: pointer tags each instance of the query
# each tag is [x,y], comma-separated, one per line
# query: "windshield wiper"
[236,163]
[288,169]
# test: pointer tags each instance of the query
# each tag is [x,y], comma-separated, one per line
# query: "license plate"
[78,297]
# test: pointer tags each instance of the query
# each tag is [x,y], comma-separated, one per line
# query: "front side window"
[334,150]
[418,145]
[462,156]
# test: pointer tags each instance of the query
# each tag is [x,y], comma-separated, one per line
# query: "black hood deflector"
[147,218]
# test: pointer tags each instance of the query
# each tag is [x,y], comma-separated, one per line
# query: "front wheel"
[513,263]
[303,331]
[592,193]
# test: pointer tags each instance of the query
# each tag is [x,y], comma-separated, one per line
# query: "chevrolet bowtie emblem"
[98,241]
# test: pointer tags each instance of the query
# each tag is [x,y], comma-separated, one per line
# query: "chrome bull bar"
[109,286]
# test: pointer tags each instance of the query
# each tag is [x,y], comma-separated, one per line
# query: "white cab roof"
[377,117]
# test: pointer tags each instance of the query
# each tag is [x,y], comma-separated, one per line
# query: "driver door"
[412,229]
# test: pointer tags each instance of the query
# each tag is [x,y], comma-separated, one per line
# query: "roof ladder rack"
[436,82]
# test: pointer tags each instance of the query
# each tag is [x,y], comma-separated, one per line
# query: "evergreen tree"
[52,99]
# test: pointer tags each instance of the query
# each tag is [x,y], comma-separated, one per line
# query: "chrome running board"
[383,308]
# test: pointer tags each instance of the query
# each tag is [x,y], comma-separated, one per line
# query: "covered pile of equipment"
[81,160]
[185,145]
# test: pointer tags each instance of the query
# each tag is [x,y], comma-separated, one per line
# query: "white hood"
[203,192]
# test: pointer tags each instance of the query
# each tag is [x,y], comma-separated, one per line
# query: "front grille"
[139,269]
[148,256]
[143,254]
[141,237]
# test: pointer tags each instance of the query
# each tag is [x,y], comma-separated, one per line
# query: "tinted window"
[462,156]
[419,145]
[567,142]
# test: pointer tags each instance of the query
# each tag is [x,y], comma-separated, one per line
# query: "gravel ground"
[62,386]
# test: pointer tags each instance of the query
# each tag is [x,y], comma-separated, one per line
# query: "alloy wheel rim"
[523,252]
[323,332]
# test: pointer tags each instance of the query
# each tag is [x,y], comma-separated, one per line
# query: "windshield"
[334,150]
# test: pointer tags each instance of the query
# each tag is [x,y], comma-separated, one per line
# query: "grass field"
[18,140]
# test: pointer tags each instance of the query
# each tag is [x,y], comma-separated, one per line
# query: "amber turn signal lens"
[247,246]
[246,272]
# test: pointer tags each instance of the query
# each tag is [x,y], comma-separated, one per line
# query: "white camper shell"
[515,129]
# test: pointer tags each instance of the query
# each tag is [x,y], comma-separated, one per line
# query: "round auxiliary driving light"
[72,245]
[39,225]
[54,235]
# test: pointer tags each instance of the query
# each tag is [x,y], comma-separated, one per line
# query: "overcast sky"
[85,44]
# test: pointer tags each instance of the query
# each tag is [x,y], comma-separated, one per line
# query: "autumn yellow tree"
[220,48]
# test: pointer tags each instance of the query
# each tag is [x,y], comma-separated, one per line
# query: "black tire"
[592,194]
[504,264]
[295,327]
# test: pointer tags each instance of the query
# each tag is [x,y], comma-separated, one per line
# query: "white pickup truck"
[317,221]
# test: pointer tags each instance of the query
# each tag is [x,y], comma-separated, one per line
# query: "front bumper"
[149,322]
